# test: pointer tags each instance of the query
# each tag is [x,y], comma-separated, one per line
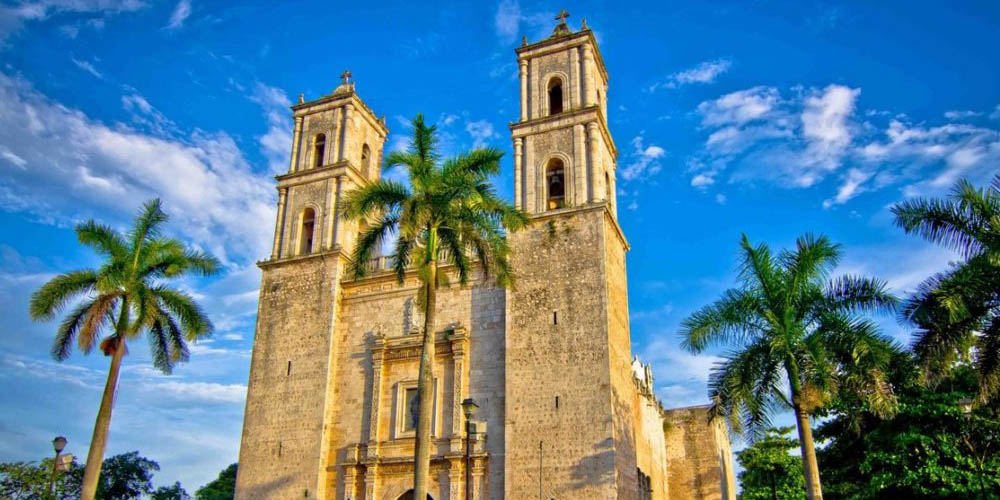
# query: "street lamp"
[965,404]
[58,444]
[469,407]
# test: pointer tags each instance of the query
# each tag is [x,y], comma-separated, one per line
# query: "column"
[279,224]
[351,483]
[478,479]
[518,150]
[612,193]
[286,243]
[373,437]
[293,163]
[335,229]
[573,86]
[589,80]
[529,175]
[593,163]
[330,212]
[523,75]
[580,195]
[343,130]
[370,474]
[334,140]
[456,480]
[533,87]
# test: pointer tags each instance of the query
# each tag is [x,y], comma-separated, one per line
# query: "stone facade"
[564,412]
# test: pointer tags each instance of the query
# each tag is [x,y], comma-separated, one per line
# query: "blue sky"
[770,118]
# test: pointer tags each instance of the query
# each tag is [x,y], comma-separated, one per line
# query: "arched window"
[319,147]
[409,496]
[555,183]
[555,96]
[306,234]
[366,154]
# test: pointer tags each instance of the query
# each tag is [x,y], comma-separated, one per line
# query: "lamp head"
[469,407]
[965,404]
[59,443]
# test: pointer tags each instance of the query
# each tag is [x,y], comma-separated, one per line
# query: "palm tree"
[449,214]
[125,297]
[957,312]
[789,323]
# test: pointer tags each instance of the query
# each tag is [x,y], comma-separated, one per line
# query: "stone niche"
[381,465]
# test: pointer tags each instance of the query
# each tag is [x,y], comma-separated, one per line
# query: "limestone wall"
[557,348]
[699,458]
[283,421]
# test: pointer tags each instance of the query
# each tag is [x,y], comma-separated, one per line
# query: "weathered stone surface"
[564,412]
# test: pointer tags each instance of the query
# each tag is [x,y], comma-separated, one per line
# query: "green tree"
[957,312]
[127,476]
[220,488]
[30,481]
[789,323]
[928,450]
[127,296]
[172,492]
[449,214]
[769,471]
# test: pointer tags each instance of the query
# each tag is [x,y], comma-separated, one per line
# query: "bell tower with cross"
[569,389]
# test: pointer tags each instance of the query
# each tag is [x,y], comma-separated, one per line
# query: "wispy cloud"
[643,160]
[705,72]
[14,16]
[181,12]
[481,132]
[88,67]
[510,21]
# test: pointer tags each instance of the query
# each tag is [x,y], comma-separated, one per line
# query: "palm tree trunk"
[95,456]
[809,465]
[425,387]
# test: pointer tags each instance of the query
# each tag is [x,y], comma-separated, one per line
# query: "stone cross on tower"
[346,76]
[562,16]
[562,28]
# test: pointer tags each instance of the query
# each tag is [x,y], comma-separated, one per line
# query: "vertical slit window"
[555,181]
[308,224]
[555,96]
[319,149]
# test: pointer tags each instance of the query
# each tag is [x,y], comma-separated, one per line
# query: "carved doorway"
[409,496]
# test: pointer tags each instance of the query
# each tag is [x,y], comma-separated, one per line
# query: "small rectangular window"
[555,317]
[288,371]
[557,402]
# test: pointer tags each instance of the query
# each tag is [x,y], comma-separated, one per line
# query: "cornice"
[550,45]
[571,118]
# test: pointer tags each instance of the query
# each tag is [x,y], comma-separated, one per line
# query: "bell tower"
[570,397]
[564,156]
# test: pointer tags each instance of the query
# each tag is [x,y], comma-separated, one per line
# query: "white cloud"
[13,17]
[720,198]
[88,67]
[995,115]
[851,187]
[213,196]
[181,12]
[481,132]
[705,72]
[702,180]
[275,144]
[643,161]
[961,114]
[203,391]
[508,20]
[739,107]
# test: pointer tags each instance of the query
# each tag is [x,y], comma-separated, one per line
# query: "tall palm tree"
[957,312]
[123,298]
[788,322]
[449,214]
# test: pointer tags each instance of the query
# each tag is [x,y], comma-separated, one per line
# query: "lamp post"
[965,406]
[469,407]
[58,444]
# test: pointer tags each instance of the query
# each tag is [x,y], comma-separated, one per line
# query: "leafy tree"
[220,488]
[173,492]
[957,312]
[928,450]
[787,322]
[769,471]
[127,295]
[449,214]
[30,481]
[126,477]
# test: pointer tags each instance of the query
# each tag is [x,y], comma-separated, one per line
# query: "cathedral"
[536,392]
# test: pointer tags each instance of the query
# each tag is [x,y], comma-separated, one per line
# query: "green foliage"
[928,450]
[957,312]
[449,214]
[769,471]
[172,492]
[221,488]
[30,481]
[126,477]
[787,322]
[127,294]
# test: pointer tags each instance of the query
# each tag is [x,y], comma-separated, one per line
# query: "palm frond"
[370,242]
[147,223]
[193,320]
[68,329]
[99,315]
[733,319]
[383,196]
[940,221]
[53,295]
[858,294]
[102,238]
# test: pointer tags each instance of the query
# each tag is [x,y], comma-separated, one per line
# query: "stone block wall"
[699,458]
